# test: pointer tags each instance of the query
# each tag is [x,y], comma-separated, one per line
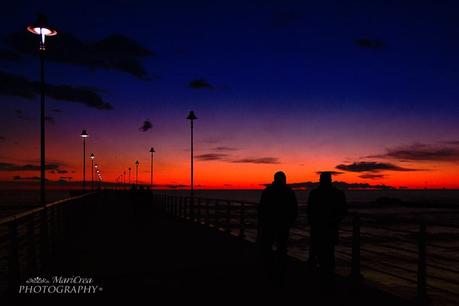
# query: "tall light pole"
[136,172]
[84,135]
[129,177]
[41,28]
[124,179]
[152,150]
[92,171]
[192,117]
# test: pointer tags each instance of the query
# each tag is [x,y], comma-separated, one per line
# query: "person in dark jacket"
[326,208]
[277,212]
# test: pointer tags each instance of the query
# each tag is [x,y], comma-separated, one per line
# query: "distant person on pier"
[277,212]
[326,208]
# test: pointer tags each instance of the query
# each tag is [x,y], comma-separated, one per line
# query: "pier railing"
[407,259]
[28,239]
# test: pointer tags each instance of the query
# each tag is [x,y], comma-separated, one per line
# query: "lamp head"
[191,116]
[152,150]
[137,162]
[41,27]
[84,134]
[92,156]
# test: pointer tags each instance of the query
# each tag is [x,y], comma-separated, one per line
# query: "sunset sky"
[369,89]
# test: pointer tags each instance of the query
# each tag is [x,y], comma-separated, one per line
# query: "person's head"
[280,178]
[325,179]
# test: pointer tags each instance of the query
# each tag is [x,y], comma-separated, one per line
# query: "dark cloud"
[368,43]
[331,172]
[50,119]
[422,152]
[59,171]
[223,148]
[14,85]
[200,84]
[29,178]
[284,19]
[146,126]
[115,52]
[371,166]
[258,160]
[8,55]
[212,156]
[27,167]
[372,176]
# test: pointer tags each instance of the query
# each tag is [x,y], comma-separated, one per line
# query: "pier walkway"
[132,249]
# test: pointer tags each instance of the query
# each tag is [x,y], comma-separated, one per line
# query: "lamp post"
[124,179]
[129,177]
[192,117]
[152,150]
[92,171]
[84,135]
[136,172]
[41,28]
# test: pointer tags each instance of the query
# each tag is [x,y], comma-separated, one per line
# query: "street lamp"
[129,177]
[192,117]
[136,172]
[151,167]
[41,28]
[92,171]
[124,179]
[84,135]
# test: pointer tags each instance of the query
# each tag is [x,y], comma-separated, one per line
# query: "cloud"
[422,152]
[371,166]
[58,171]
[368,43]
[50,119]
[372,176]
[29,178]
[259,160]
[8,55]
[115,52]
[212,156]
[200,84]
[19,86]
[27,167]
[223,148]
[146,126]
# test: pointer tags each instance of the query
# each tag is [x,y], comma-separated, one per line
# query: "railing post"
[207,211]
[421,290]
[242,220]
[228,216]
[216,221]
[31,254]
[13,258]
[44,237]
[356,272]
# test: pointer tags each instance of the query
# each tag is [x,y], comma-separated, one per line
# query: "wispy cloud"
[368,43]
[115,52]
[372,176]
[19,86]
[200,84]
[147,125]
[422,152]
[212,157]
[26,167]
[223,148]
[371,166]
[258,160]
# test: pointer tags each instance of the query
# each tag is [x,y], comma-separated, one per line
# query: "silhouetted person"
[326,209]
[277,212]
